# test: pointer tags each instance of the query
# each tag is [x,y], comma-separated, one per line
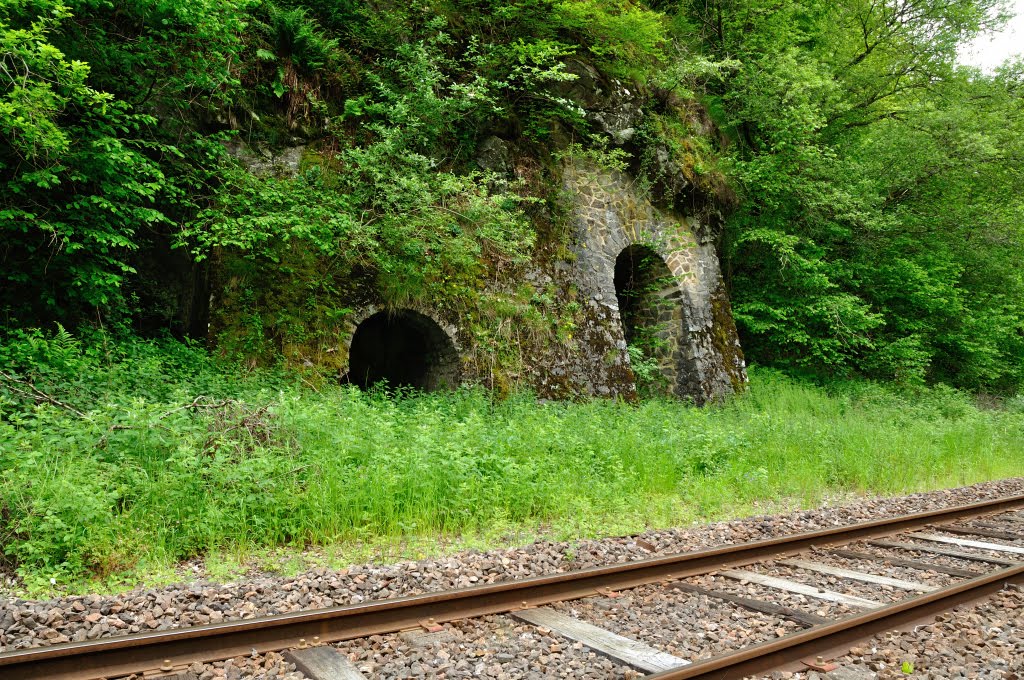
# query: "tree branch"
[37,394]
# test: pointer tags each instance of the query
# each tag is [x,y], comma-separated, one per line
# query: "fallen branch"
[37,394]
[197,403]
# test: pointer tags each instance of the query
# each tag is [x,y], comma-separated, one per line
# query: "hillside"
[223,224]
[253,174]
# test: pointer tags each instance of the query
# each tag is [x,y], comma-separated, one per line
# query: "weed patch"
[140,472]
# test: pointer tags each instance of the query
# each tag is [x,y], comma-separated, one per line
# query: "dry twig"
[37,394]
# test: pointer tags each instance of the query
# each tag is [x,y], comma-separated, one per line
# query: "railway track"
[961,554]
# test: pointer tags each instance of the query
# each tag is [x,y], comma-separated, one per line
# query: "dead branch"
[37,394]
[196,404]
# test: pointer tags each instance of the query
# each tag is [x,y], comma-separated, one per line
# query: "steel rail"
[837,637]
[124,655]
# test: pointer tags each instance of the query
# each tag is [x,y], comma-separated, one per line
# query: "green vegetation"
[873,201]
[878,229]
[120,457]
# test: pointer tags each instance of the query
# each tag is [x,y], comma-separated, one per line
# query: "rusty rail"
[838,636]
[124,655]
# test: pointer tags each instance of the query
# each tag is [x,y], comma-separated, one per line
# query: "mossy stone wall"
[610,213]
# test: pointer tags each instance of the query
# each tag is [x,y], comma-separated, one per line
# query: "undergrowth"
[123,456]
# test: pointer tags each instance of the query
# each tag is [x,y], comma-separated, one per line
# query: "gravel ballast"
[687,625]
[31,623]
[927,577]
[755,591]
[489,647]
[981,641]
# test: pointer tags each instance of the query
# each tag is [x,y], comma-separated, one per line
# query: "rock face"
[609,105]
[636,271]
[262,162]
[643,277]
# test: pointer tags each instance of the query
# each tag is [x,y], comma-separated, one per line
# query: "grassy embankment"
[146,474]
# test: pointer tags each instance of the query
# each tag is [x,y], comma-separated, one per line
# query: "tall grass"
[142,479]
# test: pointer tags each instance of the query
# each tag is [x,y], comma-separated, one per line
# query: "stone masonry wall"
[609,214]
[702,359]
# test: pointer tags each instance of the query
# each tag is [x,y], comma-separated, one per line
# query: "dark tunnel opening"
[402,349]
[650,309]
[645,289]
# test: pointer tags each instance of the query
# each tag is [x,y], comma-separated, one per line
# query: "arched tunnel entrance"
[651,311]
[403,349]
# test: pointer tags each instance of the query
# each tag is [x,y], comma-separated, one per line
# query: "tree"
[77,181]
[879,182]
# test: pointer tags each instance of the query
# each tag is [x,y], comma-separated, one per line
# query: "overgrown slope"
[121,458]
[879,221]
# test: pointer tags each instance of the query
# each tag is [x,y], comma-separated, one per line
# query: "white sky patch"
[989,51]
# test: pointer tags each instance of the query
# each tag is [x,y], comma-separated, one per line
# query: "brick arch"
[610,215]
[652,315]
[403,348]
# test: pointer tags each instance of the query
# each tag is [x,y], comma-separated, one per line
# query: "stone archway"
[651,312]
[403,348]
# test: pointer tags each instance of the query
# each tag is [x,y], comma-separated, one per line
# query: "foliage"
[878,230]
[160,453]
[73,174]
[88,175]
[868,162]
[646,367]
[621,33]
[381,216]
